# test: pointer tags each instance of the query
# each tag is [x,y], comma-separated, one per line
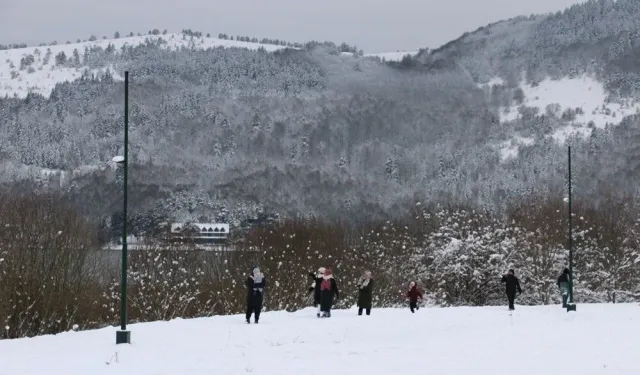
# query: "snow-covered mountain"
[37,69]
[558,66]
[483,119]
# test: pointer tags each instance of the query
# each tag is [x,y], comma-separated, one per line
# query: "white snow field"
[556,96]
[542,340]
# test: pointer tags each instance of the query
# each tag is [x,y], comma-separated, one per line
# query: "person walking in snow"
[315,288]
[512,285]
[365,293]
[256,283]
[414,296]
[328,290]
[563,284]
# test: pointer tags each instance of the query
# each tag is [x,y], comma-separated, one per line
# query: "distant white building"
[187,236]
[199,233]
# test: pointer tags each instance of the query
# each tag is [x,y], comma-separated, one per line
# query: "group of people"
[512,284]
[325,288]
[325,292]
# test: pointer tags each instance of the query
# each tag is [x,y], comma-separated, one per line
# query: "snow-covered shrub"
[163,284]
[45,279]
[466,257]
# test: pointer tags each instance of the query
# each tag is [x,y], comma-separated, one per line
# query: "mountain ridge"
[322,132]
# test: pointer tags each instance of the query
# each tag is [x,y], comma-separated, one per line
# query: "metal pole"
[570,305]
[123,336]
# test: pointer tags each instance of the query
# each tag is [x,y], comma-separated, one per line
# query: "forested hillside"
[233,133]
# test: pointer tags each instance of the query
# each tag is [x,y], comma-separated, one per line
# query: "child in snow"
[512,285]
[414,296]
[317,280]
[255,292]
[563,284]
[365,293]
[328,289]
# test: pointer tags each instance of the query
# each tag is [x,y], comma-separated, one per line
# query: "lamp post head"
[118,159]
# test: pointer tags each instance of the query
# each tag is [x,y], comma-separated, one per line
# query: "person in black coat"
[512,286]
[255,293]
[317,280]
[328,289]
[563,284]
[365,293]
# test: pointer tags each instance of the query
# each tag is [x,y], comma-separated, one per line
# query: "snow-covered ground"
[595,340]
[43,77]
[570,93]
[557,96]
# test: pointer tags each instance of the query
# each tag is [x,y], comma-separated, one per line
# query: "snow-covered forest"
[306,132]
[456,254]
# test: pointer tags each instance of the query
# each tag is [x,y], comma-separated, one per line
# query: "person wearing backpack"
[255,292]
[328,290]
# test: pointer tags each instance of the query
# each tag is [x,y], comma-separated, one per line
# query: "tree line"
[52,276]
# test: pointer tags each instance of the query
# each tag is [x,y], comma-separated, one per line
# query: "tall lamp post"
[123,336]
[571,306]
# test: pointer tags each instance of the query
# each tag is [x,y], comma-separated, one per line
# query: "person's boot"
[248,321]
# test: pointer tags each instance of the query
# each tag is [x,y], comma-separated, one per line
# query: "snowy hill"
[554,76]
[596,340]
[481,121]
[38,69]
[20,76]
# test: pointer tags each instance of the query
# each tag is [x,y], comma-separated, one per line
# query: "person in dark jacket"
[414,296]
[563,284]
[512,286]
[365,293]
[328,289]
[317,280]
[256,283]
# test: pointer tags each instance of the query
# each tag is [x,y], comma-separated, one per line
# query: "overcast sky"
[373,25]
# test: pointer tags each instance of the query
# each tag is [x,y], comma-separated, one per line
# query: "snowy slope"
[596,340]
[554,97]
[44,76]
